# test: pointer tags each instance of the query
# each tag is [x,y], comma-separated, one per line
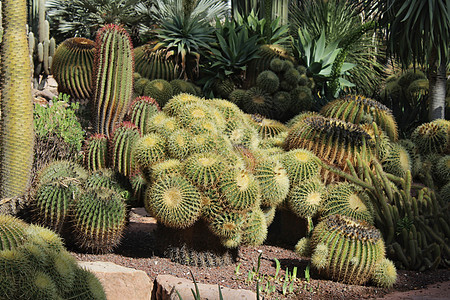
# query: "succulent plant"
[174,201]
[267,128]
[149,149]
[268,81]
[72,67]
[398,161]
[432,137]
[254,228]
[306,198]
[384,273]
[443,169]
[99,219]
[112,77]
[204,169]
[87,286]
[238,96]
[241,190]
[153,64]
[160,90]
[16,124]
[177,103]
[258,102]
[348,200]
[59,169]
[179,144]
[123,140]
[141,110]
[227,224]
[332,140]
[357,109]
[180,86]
[346,250]
[301,99]
[162,124]
[300,165]
[52,202]
[273,181]
[95,152]
[12,232]
[303,247]
[106,178]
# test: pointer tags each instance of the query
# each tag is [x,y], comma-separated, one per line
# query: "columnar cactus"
[72,67]
[122,143]
[16,107]
[113,77]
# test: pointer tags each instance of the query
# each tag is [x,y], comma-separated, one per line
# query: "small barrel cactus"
[99,218]
[95,152]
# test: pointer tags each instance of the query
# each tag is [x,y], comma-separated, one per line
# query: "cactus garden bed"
[138,251]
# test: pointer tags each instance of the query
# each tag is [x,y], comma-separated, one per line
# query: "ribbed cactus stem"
[16,119]
[113,77]
[42,25]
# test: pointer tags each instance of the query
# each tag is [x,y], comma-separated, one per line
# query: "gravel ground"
[137,251]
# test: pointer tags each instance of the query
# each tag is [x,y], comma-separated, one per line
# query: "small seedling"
[307,276]
[277,270]
[236,270]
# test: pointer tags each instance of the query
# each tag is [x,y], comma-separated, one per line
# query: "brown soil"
[137,251]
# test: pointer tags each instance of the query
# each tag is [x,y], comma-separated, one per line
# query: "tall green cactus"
[113,77]
[72,67]
[41,46]
[16,113]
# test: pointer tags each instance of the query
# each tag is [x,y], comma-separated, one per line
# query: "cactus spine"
[113,77]
[16,116]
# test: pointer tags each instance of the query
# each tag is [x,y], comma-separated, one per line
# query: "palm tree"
[84,17]
[418,33]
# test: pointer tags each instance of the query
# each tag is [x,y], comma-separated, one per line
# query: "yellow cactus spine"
[16,108]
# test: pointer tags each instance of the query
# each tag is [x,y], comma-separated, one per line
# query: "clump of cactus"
[39,267]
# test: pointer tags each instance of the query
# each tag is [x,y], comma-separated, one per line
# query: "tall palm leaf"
[337,19]
[84,17]
[418,32]
[204,9]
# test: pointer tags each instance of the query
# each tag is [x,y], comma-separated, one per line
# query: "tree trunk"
[437,92]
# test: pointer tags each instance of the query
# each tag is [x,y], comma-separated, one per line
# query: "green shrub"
[59,119]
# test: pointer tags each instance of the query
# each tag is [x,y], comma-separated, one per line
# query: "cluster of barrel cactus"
[35,265]
[280,92]
[88,208]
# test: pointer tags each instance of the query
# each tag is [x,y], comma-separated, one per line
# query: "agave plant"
[269,31]
[234,48]
[319,57]
[186,37]
[340,22]
[83,18]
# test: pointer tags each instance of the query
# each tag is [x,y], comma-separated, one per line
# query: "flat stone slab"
[120,282]
[166,286]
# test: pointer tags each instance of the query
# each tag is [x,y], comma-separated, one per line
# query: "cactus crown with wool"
[72,67]
[113,77]
[357,109]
